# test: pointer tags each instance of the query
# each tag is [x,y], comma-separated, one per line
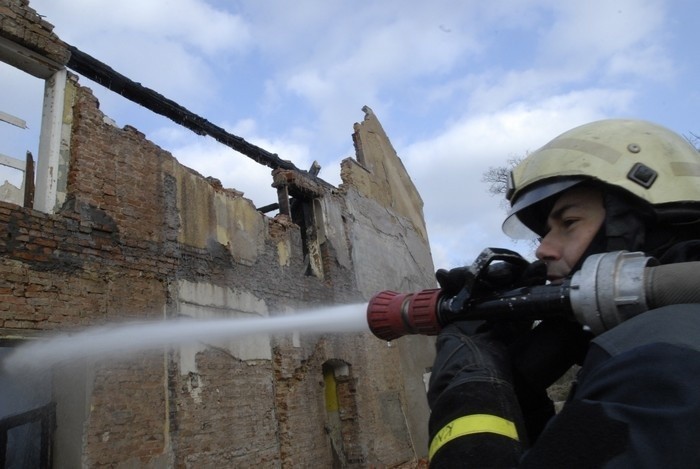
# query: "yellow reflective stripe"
[470,424]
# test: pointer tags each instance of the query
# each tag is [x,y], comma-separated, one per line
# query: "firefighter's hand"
[453,280]
[506,275]
[498,276]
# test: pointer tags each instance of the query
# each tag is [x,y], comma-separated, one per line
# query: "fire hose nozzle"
[609,289]
[391,315]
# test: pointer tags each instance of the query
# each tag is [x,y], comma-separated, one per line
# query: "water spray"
[121,339]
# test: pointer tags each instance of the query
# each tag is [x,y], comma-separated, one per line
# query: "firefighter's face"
[571,226]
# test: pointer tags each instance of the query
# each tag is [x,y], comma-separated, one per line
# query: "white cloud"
[311,85]
[346,57]
[650,62]
[193,22]
[171,46]
[585,35]
[478,140]
[162,65]
[342,58]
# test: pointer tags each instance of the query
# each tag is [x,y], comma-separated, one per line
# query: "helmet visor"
[527,217]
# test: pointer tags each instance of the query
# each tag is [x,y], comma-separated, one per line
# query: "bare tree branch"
[694,140]
[497,176]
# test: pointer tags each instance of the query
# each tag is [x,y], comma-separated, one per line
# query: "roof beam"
[91,68]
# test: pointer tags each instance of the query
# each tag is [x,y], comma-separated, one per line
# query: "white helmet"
[646,160]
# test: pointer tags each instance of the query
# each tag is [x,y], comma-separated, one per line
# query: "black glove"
[539,355]
[505,276]
[463,355]
[498,276]
[453,280]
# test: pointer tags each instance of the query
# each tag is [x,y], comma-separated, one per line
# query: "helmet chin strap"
[625,223]
[597,245]
[623,229]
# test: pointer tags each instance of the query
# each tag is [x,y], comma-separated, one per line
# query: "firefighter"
[606,186]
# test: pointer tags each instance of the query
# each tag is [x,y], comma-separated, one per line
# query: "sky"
[459,86]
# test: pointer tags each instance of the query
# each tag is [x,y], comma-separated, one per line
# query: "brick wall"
[135,227]
[111,254]
[23,25]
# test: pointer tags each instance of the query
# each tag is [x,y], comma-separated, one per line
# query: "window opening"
[32,126]
[303,206]
[341,413]
[20,123]
[27,420]
[302,214]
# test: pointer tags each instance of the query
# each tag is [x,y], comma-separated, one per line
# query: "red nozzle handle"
[391,315]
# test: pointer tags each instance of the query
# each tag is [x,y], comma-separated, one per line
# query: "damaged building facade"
[115,229]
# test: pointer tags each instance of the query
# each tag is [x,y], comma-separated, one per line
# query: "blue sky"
[459,85]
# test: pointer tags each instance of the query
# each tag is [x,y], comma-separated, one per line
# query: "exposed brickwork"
[53,274]
[299,397]
[129,423]
[108,173]
[115,251]
[23,25]
[349,419]
[224,413]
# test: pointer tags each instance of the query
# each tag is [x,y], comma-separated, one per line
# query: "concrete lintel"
[202,300]
[27,60]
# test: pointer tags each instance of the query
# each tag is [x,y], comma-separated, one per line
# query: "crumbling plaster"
[219,216]
[177,243]
[206,301]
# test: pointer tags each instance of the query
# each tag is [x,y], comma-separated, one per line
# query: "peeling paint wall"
[207,301]
[136,235]
[378,174]
[217,216]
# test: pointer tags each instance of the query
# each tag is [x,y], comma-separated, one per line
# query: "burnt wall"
[138,236]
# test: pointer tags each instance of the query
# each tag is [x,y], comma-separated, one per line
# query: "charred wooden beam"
[29,187]
[103,74]
[268,208]
[283,200]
